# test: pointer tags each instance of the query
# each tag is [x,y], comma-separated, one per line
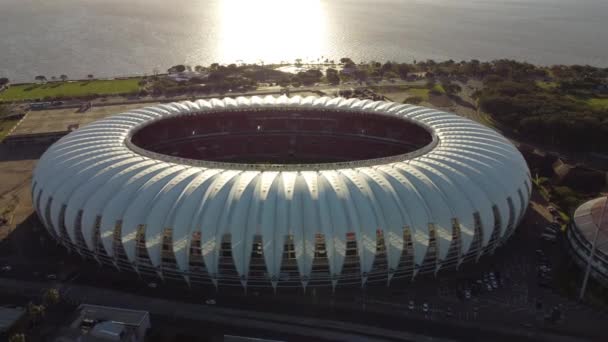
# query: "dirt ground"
[16,166]
[60,120]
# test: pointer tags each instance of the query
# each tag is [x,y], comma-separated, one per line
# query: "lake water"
[115,37]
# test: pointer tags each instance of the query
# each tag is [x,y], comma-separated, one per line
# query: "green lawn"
[420,92]
[546,85]
[439,88]
[5,126]
[70,89]
[598,103]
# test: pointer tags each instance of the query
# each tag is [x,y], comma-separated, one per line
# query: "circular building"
[590,227]
[282,191]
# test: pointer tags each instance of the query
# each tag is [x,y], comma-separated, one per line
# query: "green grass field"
[439,88]
[69,89]
[5,127]
[598,103]
[420,92]
[546,85]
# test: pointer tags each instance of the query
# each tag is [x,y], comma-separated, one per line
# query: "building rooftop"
[95,323]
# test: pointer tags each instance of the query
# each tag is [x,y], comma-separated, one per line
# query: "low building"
[10,320]
[587,223]
[186,76]
[94,323]
[578,176]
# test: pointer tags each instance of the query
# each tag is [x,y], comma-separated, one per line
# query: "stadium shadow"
[21,152]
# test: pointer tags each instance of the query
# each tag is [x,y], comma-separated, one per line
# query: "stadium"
[282,192]
[588,238]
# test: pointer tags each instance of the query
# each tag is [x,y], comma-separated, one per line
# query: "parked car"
[410,305]
[550,230]
[425,308]
[548,237]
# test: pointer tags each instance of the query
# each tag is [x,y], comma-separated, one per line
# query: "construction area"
[48,125]
[26,142]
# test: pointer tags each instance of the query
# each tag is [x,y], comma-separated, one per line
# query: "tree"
[346,61]
[298,61]
[413,100]
[90,76]
[199,68]
[214,66]
[3,81]
[332,76]
[361,74]
[450,88]
[345,93]
[64,77]
[177,68]
[52,296]
[40,78]
[403,69]
[53,78]
[35,312]
[307,77]
[17,338]
[387,67]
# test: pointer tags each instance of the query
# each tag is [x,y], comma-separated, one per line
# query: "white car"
[548,237]
[6,268]
[152,285]
[210,301]
[425,308]
[410,305]
[51,277]
[489,287]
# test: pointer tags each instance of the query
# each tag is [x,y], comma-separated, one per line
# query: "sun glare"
[271,30]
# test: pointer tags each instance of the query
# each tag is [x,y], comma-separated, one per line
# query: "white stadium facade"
[282,192]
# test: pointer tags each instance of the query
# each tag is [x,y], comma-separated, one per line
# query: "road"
[284,324]
[304,326]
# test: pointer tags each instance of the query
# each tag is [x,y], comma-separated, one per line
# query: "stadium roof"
[96,179]
[587,219]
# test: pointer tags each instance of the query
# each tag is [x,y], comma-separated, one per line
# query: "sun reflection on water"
[271,30]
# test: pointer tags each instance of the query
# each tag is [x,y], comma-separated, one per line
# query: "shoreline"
[304,65]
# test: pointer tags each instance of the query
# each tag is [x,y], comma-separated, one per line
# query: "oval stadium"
[282,192]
